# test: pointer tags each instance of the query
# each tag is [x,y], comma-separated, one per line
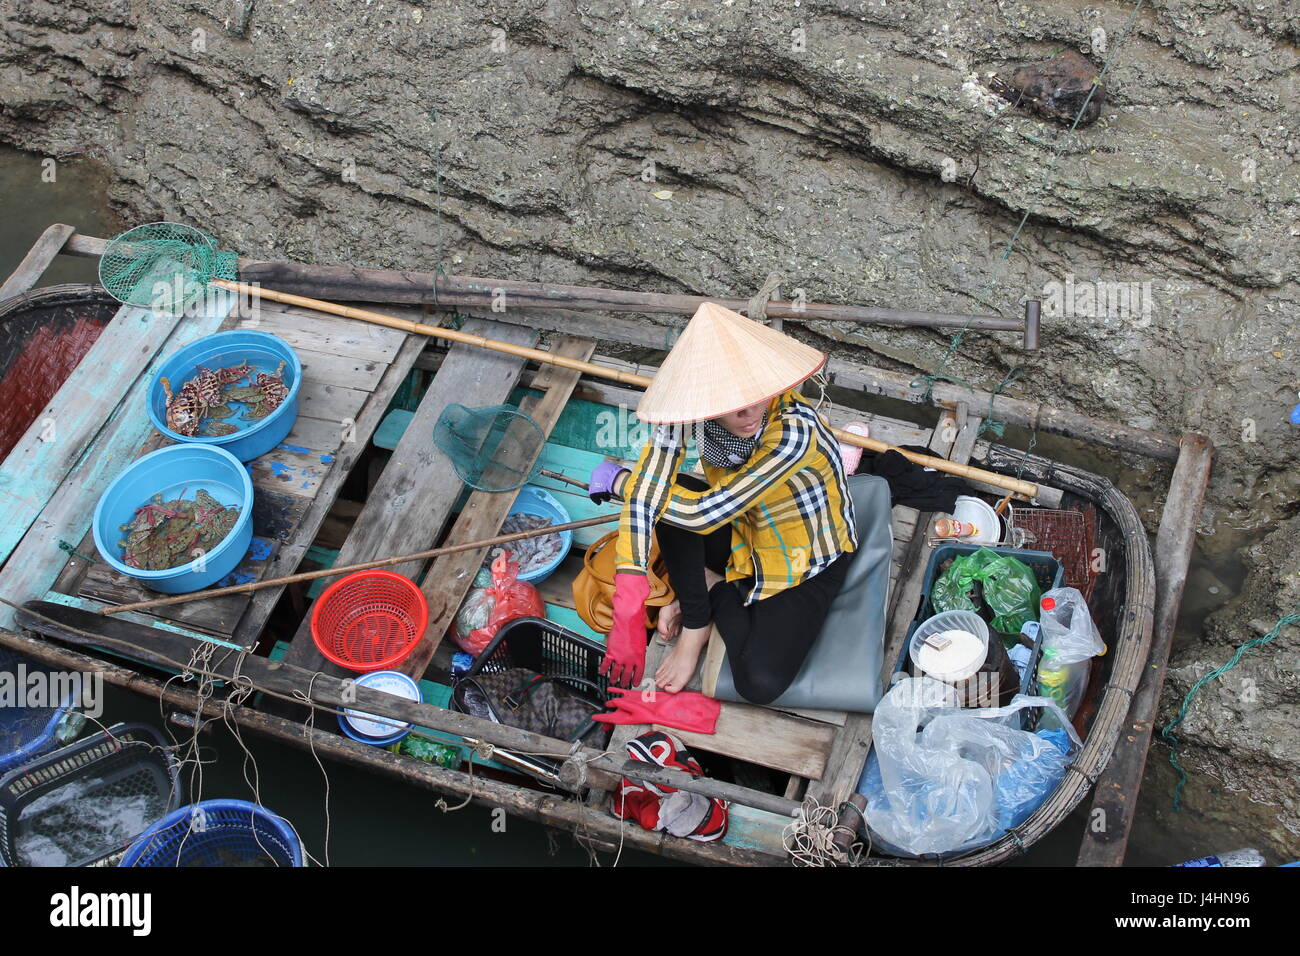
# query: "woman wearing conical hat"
[761,547]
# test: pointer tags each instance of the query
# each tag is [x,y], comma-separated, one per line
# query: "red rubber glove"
[625,647]
[685,711]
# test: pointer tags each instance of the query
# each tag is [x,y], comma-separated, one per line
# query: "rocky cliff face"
[848,144]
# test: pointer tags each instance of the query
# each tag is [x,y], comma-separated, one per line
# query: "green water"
[29,202]
[377,821]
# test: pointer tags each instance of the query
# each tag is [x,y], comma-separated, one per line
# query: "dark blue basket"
[28,732]
[217,833]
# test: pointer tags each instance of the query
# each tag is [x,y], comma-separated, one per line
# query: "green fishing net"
[164,266]
[1009,589]
[492,448]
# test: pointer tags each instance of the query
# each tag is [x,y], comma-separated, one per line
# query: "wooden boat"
[343,487]
[43,335]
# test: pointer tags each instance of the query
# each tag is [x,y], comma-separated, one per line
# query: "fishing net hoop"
[163,266]
[478,439]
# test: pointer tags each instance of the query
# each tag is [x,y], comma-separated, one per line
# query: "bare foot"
[677,669]
[669,623]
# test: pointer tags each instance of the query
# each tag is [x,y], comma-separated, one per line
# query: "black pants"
[766,641]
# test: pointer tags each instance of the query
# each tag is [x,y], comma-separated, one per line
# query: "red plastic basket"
[369,621]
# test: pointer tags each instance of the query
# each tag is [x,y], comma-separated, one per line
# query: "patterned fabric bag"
[525,699]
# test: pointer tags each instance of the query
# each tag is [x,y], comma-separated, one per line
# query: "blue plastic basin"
[261,350]
[533,500]
[174,472]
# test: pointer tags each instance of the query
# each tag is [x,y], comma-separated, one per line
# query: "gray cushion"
[842,671]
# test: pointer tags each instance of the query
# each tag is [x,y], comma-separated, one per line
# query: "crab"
[273,388]
[184,409]
[163,535]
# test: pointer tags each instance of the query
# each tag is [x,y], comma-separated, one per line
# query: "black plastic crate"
[553,651]
[56,795]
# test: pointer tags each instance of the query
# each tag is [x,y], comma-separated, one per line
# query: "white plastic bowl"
[964,659]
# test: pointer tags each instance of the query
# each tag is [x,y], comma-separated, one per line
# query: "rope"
[810,837]
[437,186]
[66,546]
[757,309]
[1167,731]
[311,744]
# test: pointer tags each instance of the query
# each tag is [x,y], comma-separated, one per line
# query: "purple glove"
[603,480]
[625,647]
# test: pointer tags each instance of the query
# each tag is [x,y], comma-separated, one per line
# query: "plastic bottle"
[1064,683]
[427,750]
[952,528]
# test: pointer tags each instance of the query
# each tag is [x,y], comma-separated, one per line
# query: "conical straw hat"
[722,363]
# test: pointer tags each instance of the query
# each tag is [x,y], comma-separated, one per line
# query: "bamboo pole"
[1024,488]
[365,565]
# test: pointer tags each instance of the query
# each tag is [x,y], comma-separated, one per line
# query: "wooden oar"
[367,565]
[1026,489]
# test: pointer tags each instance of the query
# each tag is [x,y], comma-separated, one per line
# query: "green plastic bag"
[1010,589]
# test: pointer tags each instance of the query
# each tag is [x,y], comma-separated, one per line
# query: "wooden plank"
[213,615]
[413,497]
[353,442]
[836,717]
[275,515]
[1115,798]
[290,471]
[37,260]
[766,737]
[450,577]
[36,561]
[890,430]
[137,617]
[558,588]
[318,435]
[340,369]
[752,829]
[333,403]
[61,433]
[903,522]
[322,333]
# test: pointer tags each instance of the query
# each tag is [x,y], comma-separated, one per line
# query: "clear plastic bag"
[948,779]
[1068,632]
[1070,641]
[1009,588]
